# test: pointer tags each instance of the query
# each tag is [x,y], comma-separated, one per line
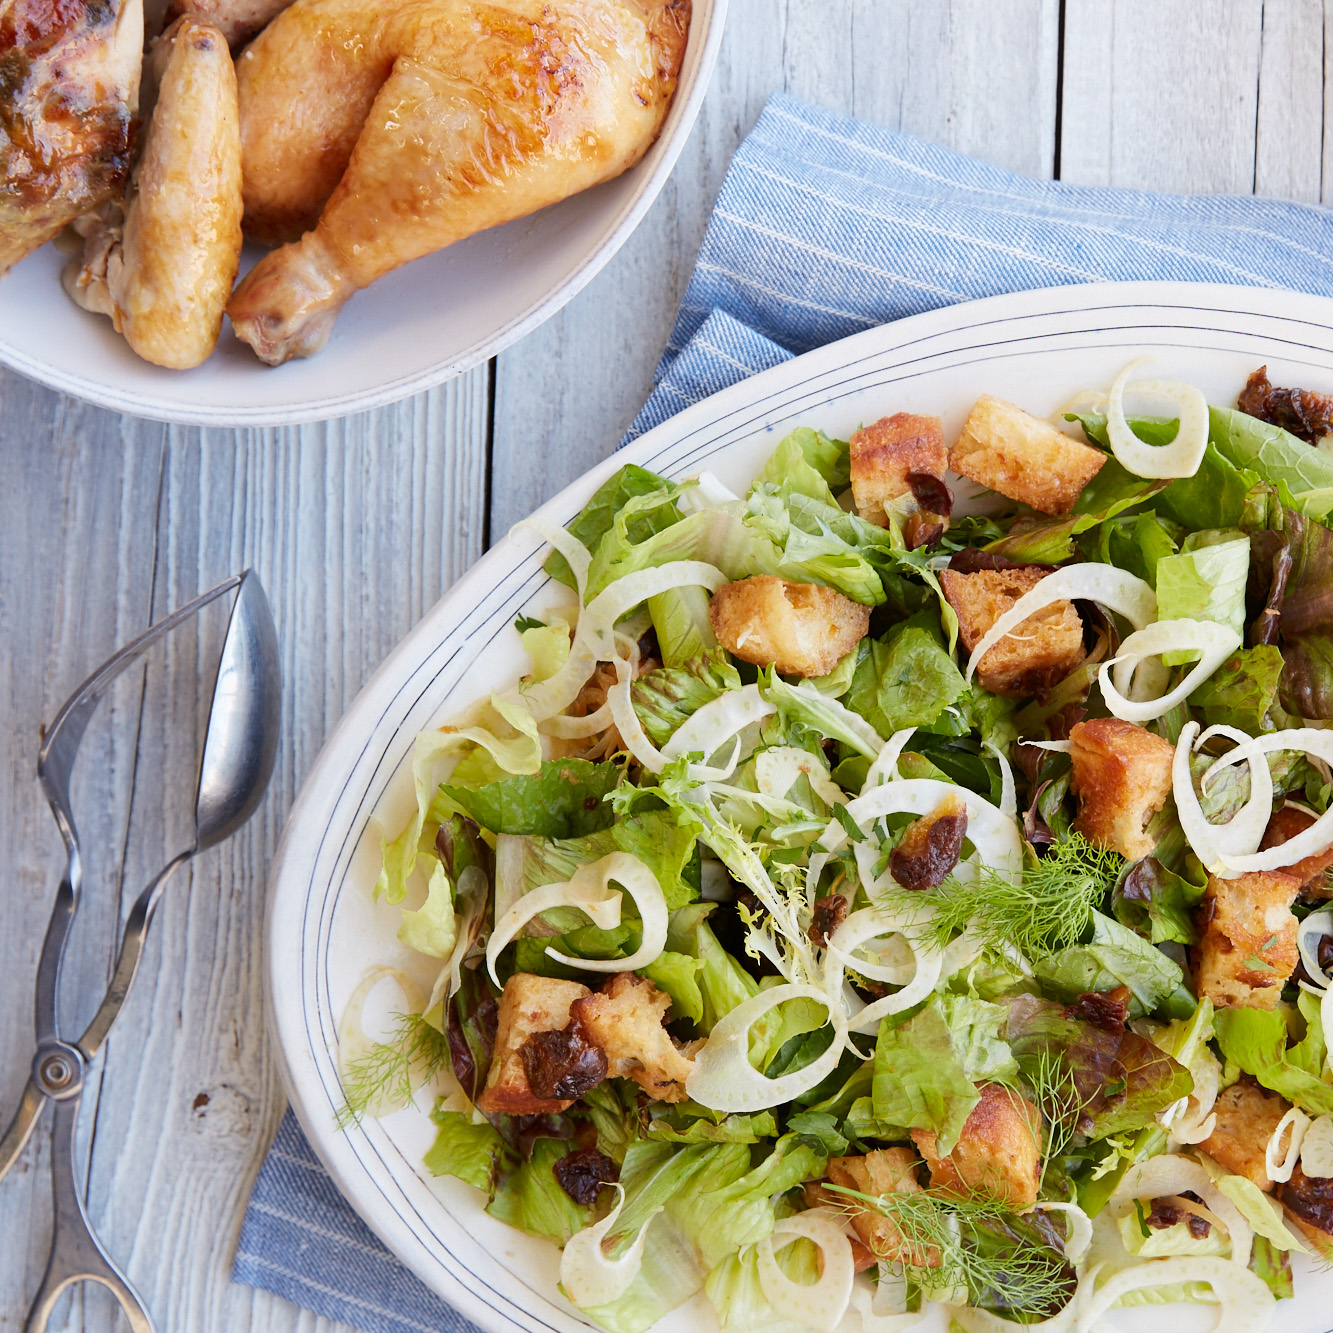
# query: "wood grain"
[356,526]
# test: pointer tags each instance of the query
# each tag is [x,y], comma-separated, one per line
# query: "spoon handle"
[76,1253]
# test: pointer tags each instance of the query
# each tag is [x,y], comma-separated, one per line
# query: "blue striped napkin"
[825,226]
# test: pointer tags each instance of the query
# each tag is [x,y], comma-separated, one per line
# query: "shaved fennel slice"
[632,734]
[1180,458]
[595,639]
[863,1302]
[707,730]
[1310,741]
[1172,1174]
[1308,934]
[1317,1148]
[723,1079]
[885,767]
[1115,589]
[577,556]
[642,886]
[588,1275]
[1241,834]
[1213,642]
[355,1045]
[994,836]
[1279,1169]
[777,769]
[577,728]
[707,493]
[1247,1304]
[1008,792]
[818,1305]
[858,929]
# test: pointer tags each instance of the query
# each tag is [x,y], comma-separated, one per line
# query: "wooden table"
[357,525]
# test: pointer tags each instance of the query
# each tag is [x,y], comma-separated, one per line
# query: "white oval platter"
[415,328]
[324,933]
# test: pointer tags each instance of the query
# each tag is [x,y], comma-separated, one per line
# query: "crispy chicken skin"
[164,273]
[69,88]
[394,131]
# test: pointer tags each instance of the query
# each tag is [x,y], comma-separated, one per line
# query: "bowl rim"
[659,161]
[365,718]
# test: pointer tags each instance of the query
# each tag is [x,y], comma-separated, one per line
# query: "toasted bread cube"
[998,1153]
[885,452]
[799,628]
[882,1171]
[1036,654]
[528,1004]
[625,1019]
[1122,777]
[1246,1115]
[1312,871]
[1247,939]
[1023,457]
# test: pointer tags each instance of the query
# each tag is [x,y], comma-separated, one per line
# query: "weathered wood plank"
[977,75]
[356,527]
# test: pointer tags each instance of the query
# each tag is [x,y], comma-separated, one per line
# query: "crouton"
[1312,871]
[1308,1201]
[1246,1115]
[625,1019]
[1032,657]
[1122,777]
[930,846]
[998,1153]
[1247,939]
[529,1005]
[881,1171]
[799,628]
[1023,457]
[898,464]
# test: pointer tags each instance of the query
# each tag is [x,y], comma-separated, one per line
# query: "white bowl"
[415,328]
[324,933]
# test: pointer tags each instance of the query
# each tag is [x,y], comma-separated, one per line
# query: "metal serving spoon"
[240,746]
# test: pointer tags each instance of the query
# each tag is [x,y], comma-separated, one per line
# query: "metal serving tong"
[240,746]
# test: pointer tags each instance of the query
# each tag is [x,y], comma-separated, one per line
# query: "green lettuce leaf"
[1157,903]
[1273,1266]
[688,1122]
[1242,691]
[665,698]
[678,975]
[431,928]
[680,620]
[1115,956]
[1218,495]
[547,645]
[564,800]
[1205,581]
[1306,625]
[791,471]
[821,1128]
[1277,456]
[832,459]
[905,679]
[1255,1040]
[723,983]
[598,515]
[530,1198]
[475,1153]
[738,1297]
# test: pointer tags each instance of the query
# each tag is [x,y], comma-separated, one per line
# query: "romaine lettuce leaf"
[792,471]
[1273,1266]
[905,679]
[1255,1041]
[1157,903]
[431,928]
[1218,495]
[832,459]
[680,620]
[529,1197]
[665,698]
[1276,456]
[596,519]
[564,800]
[688,1122]
[1204,581]
[1242,690]
[1115,956]
[738,1296]
[723,982]
[475,1153]
[678,975]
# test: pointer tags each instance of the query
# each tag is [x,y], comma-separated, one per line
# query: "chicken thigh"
[387,131]
[69,88]
[162,264]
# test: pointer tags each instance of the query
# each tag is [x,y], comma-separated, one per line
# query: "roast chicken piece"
[69,88]
[385,132]
[236,20]
[163,265]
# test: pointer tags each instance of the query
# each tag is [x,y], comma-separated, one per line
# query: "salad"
[863,903]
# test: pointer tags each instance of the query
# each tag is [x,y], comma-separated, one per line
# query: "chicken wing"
[164,272]
[385,132]
[69,88]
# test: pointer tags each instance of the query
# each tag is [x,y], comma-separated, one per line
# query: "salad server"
[240,747]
